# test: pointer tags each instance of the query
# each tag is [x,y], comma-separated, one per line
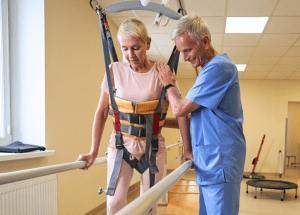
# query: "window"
[5,130]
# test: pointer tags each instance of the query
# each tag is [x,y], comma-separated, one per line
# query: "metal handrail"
[10,177]
[145,202]
[174,144]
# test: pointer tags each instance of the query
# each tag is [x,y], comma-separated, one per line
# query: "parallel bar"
[175,144]
[145,202]
[10,177]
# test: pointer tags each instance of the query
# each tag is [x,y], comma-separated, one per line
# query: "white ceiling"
[273,54]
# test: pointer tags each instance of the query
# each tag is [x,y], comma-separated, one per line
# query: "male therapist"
[218,142]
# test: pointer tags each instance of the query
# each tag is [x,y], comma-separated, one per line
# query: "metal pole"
[145,202]
[164,199]
[179,155]
[279,163]
[10,177]
[175,144]
[285,144]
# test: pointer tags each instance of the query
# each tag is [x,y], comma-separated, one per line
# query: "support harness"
[145,122]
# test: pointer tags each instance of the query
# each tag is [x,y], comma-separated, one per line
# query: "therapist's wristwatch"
[168,86]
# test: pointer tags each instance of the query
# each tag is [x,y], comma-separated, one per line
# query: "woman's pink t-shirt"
[135,87]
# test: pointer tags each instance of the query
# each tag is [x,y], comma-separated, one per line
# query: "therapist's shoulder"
[226,64]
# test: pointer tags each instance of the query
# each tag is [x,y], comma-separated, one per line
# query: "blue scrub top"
[219,145]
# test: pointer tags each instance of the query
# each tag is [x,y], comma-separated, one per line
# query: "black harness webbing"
[135,118]
[151,149]
[152,120]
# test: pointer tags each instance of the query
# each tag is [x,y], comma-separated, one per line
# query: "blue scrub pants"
[219,199]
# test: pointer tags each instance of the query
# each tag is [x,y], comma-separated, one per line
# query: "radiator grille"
[30,197]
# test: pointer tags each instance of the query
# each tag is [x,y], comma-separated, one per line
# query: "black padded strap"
[149,127]
[135,131]
[111,46]
[107,61]
[174,59]
[135,118]
[173,64]
[140,165]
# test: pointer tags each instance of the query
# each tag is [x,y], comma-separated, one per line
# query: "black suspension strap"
[152,149]
[107,45]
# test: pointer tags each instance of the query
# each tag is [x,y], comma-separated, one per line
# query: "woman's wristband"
[168,86]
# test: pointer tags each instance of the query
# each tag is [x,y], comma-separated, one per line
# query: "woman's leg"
[145,180]
[119,200]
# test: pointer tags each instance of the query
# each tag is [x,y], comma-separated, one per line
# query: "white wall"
[27,61]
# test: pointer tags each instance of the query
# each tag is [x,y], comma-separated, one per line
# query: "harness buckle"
[111,111]
[119,144]
[154,145]
[142,132]
[142,119]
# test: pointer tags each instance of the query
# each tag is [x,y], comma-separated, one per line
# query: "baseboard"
[133,188]
[102,207]
[162,204]
[97,209]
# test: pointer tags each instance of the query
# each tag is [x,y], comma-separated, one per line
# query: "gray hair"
[134,27]
[194,25]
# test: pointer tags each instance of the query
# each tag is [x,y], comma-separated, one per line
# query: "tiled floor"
[267,202]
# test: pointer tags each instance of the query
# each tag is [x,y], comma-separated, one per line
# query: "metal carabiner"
[97,9]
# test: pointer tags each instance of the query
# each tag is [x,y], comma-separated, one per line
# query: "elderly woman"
[134,81]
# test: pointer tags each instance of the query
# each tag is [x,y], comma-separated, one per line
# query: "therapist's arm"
[180,106]
[184,125]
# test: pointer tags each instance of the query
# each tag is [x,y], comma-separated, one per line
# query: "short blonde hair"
[194,25]
[134,27]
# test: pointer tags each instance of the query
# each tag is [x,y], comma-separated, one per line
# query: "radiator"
[36,196]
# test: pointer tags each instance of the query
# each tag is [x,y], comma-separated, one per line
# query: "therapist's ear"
[206,41]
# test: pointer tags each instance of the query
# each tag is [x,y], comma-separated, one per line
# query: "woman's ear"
[148,43]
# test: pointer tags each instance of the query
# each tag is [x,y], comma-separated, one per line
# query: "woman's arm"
[98,128]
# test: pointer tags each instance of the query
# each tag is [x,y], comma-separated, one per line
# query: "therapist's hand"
[165,75]
[187,156]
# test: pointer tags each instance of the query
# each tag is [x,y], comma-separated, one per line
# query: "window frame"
[7,138]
